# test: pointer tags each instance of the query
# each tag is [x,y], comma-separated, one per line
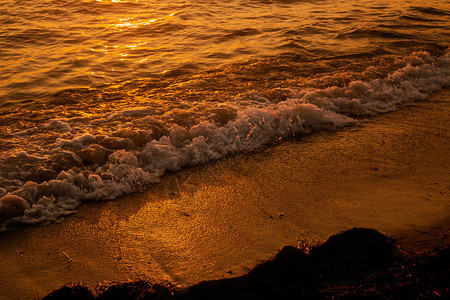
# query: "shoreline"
[216,221]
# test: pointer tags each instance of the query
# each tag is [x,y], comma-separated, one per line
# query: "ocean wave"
[77,162]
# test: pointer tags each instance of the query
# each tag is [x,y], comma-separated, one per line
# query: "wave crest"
[97,166]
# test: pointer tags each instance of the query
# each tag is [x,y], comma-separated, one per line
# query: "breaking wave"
[68,160]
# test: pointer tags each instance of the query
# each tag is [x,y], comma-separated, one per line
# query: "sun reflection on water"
[92,42]
[138,21]
[113,1]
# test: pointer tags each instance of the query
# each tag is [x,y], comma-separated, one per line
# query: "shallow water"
[101,98]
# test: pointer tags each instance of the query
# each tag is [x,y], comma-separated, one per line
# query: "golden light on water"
[113,1]
[126,51]
[137,22]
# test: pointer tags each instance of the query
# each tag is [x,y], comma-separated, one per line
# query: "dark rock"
[287,275]
[71,292]
[136,290]
[355,264]
[290,263]
[355,248]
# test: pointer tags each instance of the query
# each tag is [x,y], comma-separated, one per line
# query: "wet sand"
[215,221]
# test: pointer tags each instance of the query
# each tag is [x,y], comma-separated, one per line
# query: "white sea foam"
[107,166]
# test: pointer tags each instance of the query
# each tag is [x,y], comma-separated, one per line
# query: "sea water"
[99,99]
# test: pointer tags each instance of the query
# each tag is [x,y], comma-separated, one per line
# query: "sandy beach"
[390,173]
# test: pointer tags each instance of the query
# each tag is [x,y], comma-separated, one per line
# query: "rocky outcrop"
[358,263]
